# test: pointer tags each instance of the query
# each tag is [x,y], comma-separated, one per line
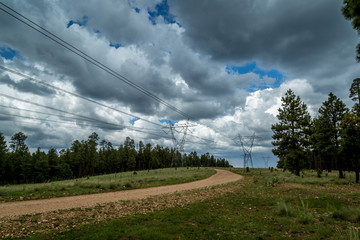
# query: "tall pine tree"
[291,134]
[330,114]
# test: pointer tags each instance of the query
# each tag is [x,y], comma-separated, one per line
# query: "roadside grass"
[103,183]
[264,205]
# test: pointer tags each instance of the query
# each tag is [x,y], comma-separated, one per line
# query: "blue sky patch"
[251,67]
[132,121]
[81,22]
[137,10]
[161,9]
[168,121]
[115,45]
[9,53]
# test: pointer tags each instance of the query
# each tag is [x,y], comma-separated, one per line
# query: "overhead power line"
[96,63]
[80,117]
[68,122]
[86,57]
[85,98]
[75,95]
[84,118]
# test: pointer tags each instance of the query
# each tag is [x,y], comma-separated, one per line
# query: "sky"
[219,67]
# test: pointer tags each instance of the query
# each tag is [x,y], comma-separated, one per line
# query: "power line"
[68,122]
[82,124]
[86,57]
[75,95]
[84,98]
[85,118]
[96,63]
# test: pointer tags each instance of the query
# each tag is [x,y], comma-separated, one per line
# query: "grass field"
[264,205]
[103,183]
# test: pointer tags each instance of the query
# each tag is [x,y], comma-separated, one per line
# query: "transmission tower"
[266,161]
[178,136]
[246,145]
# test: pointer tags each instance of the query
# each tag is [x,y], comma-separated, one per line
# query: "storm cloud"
[225,64]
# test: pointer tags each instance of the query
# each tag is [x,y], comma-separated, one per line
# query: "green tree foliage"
[350,134]
[291,134]
[86,158]
[326,133]
[355,95]
[351,11]
[3,154]
[17,142]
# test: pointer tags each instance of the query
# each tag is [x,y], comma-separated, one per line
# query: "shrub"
[353,234]
[319,172]
[305,217]
[347,214]
[283,209]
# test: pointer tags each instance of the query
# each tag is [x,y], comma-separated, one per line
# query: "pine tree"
[3,154]
[351,11]
[291,134]
[330,114]
[350,137]
[355,95]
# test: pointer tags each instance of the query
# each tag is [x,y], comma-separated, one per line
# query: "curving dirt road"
[53,204]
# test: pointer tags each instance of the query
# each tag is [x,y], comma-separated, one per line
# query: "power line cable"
[93,61]
[86,57]
[68,122]
[82,124]
[85,98]
[66,112]
[75,95]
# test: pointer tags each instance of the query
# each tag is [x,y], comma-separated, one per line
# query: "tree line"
[330,141]
[88,158]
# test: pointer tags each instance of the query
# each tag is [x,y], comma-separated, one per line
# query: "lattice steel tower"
[178,142]
[246,145]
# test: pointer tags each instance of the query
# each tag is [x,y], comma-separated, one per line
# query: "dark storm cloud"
[180,51]
[27,86]
[304,38]
[88,80]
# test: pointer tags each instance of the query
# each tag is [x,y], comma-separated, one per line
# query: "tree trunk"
[341,174]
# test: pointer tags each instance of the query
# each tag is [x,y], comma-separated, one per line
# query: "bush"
[347,214]
[305,217]
[319,172]
[353,234]
[272,182]
[283,209]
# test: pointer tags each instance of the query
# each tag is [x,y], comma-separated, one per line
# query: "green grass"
[264,205]
[103,183]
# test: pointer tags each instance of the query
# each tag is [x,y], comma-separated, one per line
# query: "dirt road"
[53,204]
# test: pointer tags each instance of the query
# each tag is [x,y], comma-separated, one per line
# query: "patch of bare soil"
[46,215]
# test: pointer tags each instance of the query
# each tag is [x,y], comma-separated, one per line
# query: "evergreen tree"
[351,11]
[330,115]
[17,142]
[355,95]
[351,141]
[3,155]
[92,157]
[291,134]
